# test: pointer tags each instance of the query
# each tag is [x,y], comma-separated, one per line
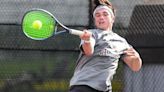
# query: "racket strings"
[45,31]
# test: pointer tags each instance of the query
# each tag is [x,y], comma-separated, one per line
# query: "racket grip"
[76,32]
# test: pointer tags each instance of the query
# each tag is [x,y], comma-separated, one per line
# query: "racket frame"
[57,22]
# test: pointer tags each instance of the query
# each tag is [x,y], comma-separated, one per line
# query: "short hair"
[106,3]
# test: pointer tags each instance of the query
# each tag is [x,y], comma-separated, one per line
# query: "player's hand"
[86,36]
[132,59]
[131,53]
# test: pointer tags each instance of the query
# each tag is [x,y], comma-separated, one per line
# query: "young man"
[101,49]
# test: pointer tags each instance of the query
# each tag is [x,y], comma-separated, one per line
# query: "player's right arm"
[87,43]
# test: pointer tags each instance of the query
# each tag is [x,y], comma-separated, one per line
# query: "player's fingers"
[81,36]
[86,35]
[130,52]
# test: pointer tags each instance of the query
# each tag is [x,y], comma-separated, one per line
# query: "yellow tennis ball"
[37,24]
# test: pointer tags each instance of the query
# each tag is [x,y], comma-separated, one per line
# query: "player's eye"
[105,14]
[97,15]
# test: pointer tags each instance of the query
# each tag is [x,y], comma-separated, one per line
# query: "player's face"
[104,19]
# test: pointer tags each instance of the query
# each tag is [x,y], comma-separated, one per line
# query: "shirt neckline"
[105,32]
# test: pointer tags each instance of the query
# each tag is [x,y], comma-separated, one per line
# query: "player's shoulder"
[117,36]
[94,32]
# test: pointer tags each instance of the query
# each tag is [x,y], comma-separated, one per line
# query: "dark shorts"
[83,88]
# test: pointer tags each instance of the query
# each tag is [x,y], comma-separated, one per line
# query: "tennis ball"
[37,24]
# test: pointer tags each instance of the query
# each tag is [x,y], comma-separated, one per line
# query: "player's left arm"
[132,59]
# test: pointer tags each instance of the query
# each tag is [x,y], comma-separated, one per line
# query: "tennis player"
[101,50]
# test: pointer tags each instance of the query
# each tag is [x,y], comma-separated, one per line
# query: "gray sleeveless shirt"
[97,70]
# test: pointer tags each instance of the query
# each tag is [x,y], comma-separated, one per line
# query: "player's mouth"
[101,22]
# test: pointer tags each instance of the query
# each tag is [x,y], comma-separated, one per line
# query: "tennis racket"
[39,24]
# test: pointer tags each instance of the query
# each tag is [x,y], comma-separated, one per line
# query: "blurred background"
[46,66]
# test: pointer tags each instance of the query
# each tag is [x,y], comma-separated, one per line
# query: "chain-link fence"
[47,66]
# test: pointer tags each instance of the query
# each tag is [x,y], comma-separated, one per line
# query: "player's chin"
[101,28]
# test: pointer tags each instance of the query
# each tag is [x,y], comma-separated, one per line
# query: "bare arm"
[132,59]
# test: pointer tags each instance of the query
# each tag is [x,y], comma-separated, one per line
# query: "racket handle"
[76,32]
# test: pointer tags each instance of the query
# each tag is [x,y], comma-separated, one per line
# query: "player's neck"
[107,29]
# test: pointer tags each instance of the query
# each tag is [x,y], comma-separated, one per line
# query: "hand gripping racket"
[39,24]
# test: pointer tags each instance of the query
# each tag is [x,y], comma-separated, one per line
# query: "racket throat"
[61,32]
